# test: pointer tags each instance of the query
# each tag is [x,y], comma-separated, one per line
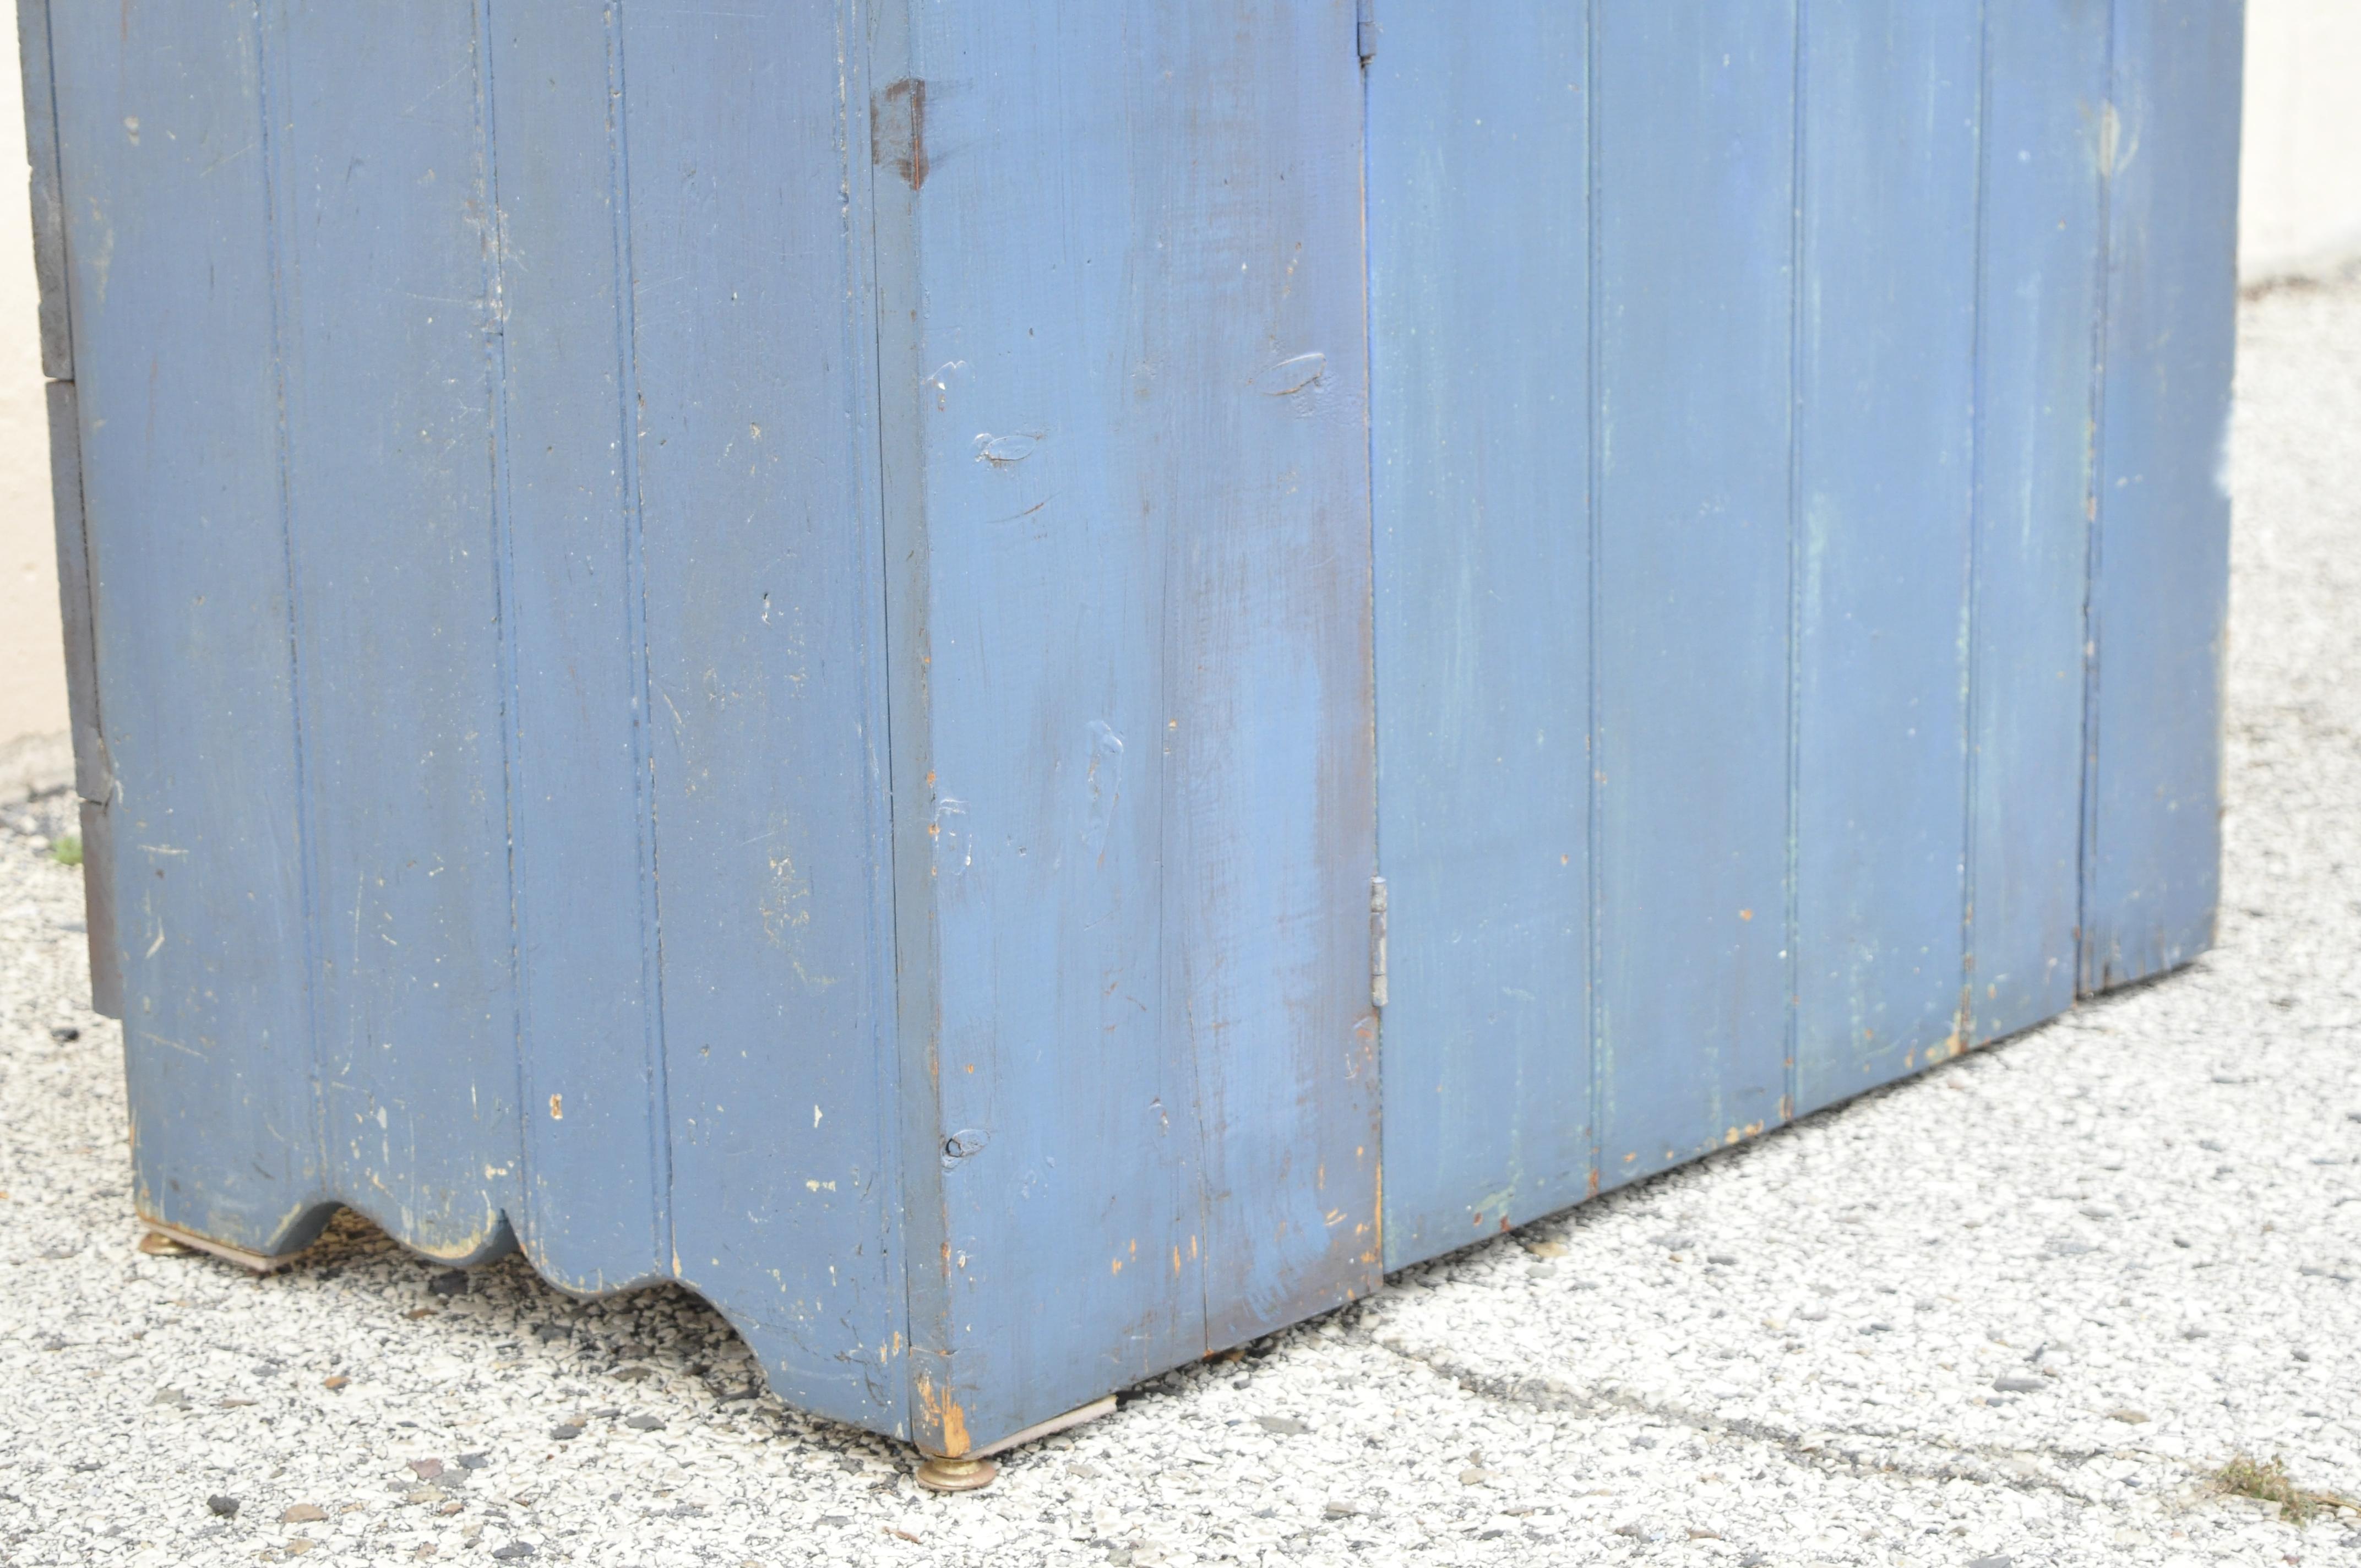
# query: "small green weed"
[66,850]
[2247,1477]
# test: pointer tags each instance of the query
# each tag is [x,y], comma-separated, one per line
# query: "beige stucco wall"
[2301,211]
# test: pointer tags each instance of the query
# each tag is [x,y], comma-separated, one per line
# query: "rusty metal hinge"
[1365,27]
[1377,941]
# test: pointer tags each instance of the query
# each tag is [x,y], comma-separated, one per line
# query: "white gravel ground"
[2020,1309]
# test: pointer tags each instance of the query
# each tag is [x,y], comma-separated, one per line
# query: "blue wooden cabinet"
[782,649]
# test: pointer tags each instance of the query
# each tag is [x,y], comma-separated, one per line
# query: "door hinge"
[1377,941]
[1365,27]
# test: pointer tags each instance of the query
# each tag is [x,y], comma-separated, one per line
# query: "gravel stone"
[1777,1424]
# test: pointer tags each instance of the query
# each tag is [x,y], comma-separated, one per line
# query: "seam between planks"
[865,442]
[1595,1005]
[1363,46]
[1791,1074]
[306,831]
[635,620]
[1971,693]
[2088,968]
[493,243]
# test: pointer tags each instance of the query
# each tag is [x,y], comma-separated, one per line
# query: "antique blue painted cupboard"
[945,669]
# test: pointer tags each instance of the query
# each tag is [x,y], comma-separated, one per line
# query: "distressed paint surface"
[1884,446]
[754,452]
[521,455]
[2159,584]
[2045,118]
[595,1210]
[384,650]
[48,197]
[1121,294]
[1480,287]
[1857,318]
[380,176]
[171,281]
[1694,434]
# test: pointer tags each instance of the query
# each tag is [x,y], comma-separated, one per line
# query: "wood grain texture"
[755,446]
[523,454]
[1479,286]
[49,271]
[387,268]
[597,1213]
[1696,148]
[2042,258]
[2160,583]
[1124,401]
[170,238]
[1884,451]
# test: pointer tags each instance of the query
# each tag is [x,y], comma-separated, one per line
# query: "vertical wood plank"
[387,266]
[2045,88]
[1481,395]
[1134,390]
[1271,824]
[1064,1169]
[595,1206]
[1694,183]
[755,442]
[48,199]
[169,236]
[1885,403]
[2159,586]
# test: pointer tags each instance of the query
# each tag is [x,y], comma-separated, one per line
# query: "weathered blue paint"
[1885,408]
[1124,410]
[1796,513]
[1480,268]
[43,186]
[2041,253]
[595,1181]
[1693,432]
[380,174]
[755,459]
[169,272]
[739,647]
[2160,574]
